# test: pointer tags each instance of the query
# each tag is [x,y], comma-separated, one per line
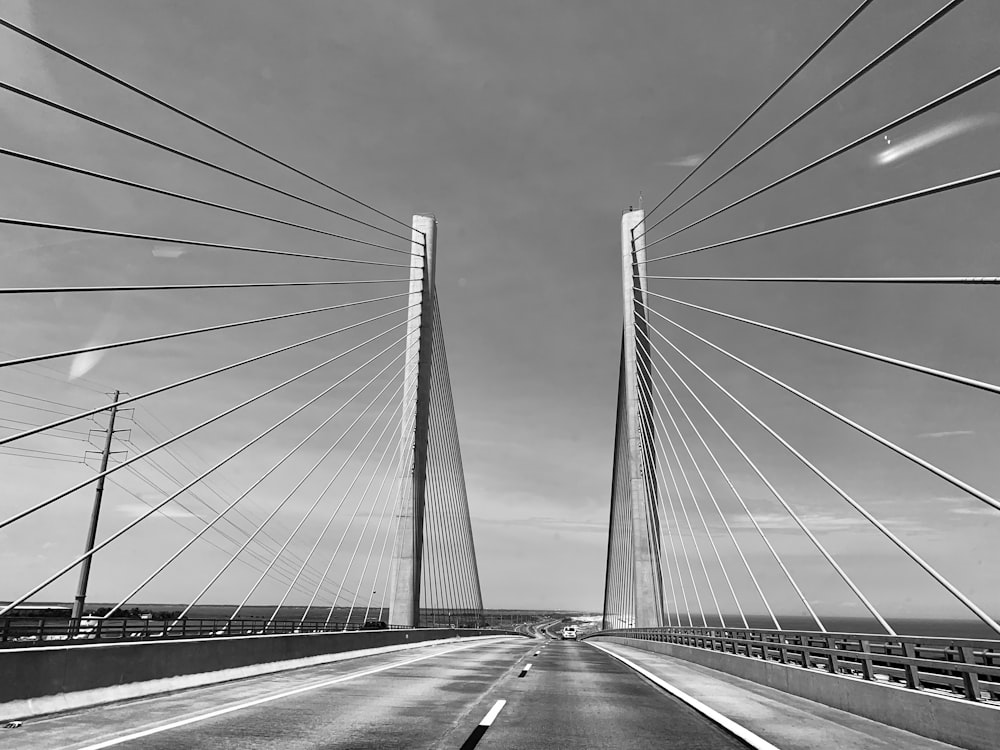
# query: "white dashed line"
[492,714]
[276,696]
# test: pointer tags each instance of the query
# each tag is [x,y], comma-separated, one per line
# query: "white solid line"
[275,696]
[755,741]
[492,714]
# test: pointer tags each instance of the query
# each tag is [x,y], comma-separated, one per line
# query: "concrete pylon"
[407,559]
[648,574]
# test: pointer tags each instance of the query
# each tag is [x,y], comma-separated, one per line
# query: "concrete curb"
[940,717]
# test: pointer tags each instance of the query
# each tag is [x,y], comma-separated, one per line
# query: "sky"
[526,129]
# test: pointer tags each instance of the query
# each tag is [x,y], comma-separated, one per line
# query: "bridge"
[236,508]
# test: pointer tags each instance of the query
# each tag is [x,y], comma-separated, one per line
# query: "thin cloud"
[688,161]
[134,510]
[913,144]
[945,434]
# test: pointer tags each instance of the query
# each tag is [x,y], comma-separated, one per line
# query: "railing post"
[911,670]
[970,679]
[866,660]
[648,576]
[407,561]
[832,660]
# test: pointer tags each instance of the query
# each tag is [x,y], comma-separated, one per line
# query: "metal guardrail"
[22,632]
[958,666]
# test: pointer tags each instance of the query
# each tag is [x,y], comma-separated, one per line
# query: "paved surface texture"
[787,721]
[572,696]
[434,697]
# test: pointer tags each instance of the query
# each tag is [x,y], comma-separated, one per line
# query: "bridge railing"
[961,667]
[33,632]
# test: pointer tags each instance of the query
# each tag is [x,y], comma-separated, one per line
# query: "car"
[569,633]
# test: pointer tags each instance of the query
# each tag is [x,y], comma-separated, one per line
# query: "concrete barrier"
[48,679]
[941,717]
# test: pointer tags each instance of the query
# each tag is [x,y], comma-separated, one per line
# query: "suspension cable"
[103,176]
[673,512]
[185,433]
[964,88]
[711,495]
[894,200]
[812,55]
[312,551]
[12,221]
[270,516]
[162,287]
[190,332]
[694,500]
[319,497]
[942,374]
[941,473]
[746,508]
[184,154]
[898,44]
[980,280]
[100,545]
[857,506]
[219,515]
[201,376]
[364,528]
[51,46]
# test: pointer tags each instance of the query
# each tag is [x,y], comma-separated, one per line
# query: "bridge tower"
[407,559]
[633,595]
[434,567]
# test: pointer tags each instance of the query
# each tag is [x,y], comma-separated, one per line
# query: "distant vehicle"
[569,633]
[374,625]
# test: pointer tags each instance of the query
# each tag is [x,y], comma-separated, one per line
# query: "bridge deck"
[434,697]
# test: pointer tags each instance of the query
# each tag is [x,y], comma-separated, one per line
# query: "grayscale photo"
[510,375]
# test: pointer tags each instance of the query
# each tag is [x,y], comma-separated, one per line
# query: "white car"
[569,633]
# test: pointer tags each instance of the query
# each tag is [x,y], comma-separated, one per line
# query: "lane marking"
[753,740]
[524,671]
[486,723]
[273,697]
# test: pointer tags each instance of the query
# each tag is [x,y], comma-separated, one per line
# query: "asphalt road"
[572,696]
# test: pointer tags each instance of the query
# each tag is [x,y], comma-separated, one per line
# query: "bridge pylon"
[633,594]
[407,559]
[434,573]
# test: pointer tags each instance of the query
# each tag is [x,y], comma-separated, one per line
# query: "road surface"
[572,696]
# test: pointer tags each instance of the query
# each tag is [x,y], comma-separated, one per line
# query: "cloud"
[814,521]
[913,144]
[168,251]
[687,161]
[945,434]
[135,510]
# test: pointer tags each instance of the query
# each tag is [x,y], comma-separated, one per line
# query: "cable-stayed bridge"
[278,462]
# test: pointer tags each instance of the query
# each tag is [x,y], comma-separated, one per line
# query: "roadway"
[571,696]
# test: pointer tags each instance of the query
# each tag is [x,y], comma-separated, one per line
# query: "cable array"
[710,448]
[250,457]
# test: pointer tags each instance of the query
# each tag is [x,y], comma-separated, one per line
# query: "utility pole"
[95,513]
[407,559]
